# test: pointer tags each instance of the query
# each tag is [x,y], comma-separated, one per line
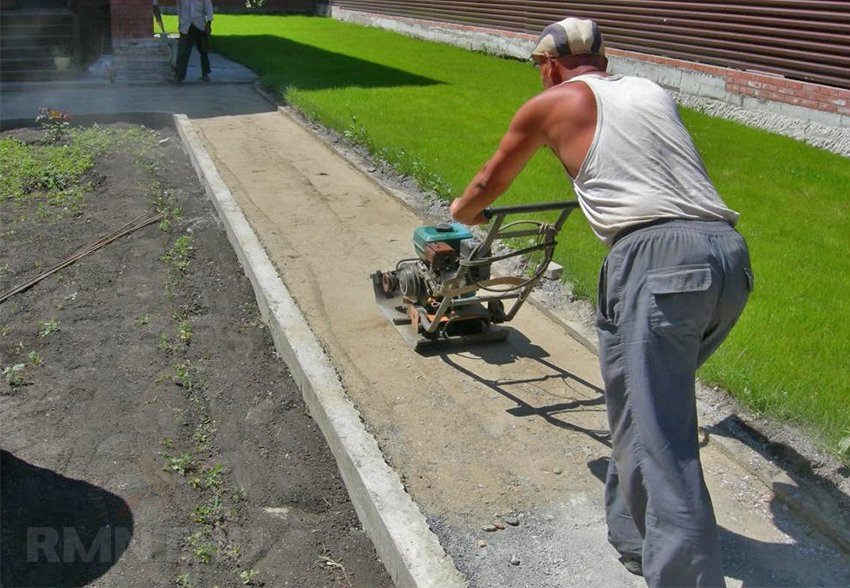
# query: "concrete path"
[513,433]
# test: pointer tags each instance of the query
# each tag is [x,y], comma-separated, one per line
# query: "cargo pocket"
[680,298]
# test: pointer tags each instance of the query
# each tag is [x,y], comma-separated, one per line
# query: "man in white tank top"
[674,283]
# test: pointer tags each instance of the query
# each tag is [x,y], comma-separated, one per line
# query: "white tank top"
[642,164]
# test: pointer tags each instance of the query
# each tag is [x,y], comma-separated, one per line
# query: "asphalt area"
[152,436]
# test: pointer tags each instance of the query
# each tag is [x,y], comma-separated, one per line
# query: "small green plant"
[247,576]
[142,321]
[164,201]
[181,464]
[165,343]
[5,330]
[202,434]
[205,552]
[35,358]
[54,122]
[183,375]
[232,552]
[47,328]
[167,443]
[179,254]
[14,375]
[213,475]
[184,332]
[209,513]
[183,581]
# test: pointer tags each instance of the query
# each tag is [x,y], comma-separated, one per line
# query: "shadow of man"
[56,531]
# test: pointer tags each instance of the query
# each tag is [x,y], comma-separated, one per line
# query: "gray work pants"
[668,296]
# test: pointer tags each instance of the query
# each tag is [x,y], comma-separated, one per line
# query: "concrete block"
[553,271]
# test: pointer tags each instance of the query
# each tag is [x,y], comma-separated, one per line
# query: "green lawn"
[437,112]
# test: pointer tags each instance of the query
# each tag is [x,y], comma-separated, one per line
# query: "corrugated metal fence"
[799,39]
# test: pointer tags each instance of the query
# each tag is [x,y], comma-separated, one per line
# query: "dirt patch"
[151,436]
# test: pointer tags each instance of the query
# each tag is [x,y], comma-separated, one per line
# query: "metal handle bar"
[492,211]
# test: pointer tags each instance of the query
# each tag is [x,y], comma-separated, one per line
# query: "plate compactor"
[446,295]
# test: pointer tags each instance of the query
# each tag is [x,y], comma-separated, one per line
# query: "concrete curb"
[408,548]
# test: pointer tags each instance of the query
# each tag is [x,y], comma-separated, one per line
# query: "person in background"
[195,24]
[675,281]
[158,17]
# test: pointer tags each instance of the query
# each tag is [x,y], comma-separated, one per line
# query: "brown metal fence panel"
[805,40]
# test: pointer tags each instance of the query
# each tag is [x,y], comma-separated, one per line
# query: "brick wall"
[131,19]
[760,86]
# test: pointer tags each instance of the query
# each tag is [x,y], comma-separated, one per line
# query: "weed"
[181,464]
[14,375]
[202,434]
[205,552]
[202,550]
[232,552]
[47,328]
[238,494]
[208,514]
[165,343]
[54,122]
[183,581]
[35,358]
[179,254]
[164,202]
[184,332]
[247,576]
[167,443]
[212,476]
[5,330]
[183,375]
[142,321]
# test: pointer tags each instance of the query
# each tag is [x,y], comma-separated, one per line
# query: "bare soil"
[159,440]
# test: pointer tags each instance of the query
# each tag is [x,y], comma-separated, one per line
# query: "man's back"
[641,164]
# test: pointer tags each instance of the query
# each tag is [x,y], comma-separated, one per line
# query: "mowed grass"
[437,113]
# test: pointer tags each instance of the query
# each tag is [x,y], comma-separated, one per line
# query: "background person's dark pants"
[668,296]
[200,39]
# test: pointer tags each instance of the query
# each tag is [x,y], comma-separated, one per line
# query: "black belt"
[639,226]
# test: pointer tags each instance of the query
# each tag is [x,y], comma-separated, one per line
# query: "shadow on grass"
[284,63]
[57,531]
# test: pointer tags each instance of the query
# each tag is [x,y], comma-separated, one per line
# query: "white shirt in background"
[194,12]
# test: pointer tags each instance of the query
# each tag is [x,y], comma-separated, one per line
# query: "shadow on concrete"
[761,563]
[518,346]
[57,531]
[283,63]
[815,497]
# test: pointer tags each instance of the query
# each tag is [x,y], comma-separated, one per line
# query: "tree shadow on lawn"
[57,531]
[283,63]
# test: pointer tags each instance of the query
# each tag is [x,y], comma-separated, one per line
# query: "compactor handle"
[492,211]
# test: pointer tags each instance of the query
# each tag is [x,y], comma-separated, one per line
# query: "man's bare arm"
[522,139]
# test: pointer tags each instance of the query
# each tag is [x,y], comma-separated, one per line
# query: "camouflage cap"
[571,36]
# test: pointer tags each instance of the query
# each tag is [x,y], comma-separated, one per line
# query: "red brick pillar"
[131,19]
[137,55]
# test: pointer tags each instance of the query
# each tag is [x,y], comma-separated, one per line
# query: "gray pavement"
[230,92]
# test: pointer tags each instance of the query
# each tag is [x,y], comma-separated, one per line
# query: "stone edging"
[408,548]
